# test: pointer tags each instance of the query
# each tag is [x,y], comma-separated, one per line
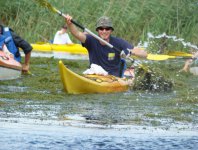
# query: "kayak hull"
[76,84]
[9,68]
[68,48]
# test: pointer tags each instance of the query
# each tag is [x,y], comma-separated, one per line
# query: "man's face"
[104,32]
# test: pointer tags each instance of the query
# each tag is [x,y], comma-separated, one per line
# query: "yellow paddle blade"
[177,53]
[158,57]
[46,4]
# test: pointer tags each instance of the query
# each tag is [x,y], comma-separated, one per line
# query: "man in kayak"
[99,53]
[13,43]
[62,37]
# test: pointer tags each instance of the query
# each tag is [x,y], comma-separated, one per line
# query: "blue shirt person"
[13,43]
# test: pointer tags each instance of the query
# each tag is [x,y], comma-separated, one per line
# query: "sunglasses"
[102,28]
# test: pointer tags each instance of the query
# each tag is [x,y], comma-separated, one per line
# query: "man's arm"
[26,62]
[26,47]
[19,42]
[139,52]
[74,31]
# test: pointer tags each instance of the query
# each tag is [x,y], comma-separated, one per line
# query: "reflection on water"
[25,136]
[14,89]
[59,55]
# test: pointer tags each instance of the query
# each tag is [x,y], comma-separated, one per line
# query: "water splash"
[164,35]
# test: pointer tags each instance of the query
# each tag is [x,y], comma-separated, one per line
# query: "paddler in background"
[189,62]
[62,37]
[13,43]
[99,53]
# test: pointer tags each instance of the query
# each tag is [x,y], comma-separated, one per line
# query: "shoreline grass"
[132,19]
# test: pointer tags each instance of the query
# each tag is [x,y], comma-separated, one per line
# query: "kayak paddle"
[46,4]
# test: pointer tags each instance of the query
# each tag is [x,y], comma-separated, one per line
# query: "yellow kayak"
[77,84]
[69,48]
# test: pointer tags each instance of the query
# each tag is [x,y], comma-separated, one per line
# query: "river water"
[43,130]
[120,121]
[60,137]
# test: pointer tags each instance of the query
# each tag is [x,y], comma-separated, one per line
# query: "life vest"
[2,41]
[10,44]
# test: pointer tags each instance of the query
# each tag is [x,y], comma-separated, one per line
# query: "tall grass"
[132,19]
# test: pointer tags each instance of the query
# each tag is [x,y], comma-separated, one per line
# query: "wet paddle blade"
[47,5]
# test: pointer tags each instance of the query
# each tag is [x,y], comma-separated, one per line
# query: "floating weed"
[139,107]
[153,115]
[137,120]
[155,123]
[180,114]
[2,103]
[182,118]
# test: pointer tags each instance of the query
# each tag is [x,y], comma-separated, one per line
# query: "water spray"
[164,35]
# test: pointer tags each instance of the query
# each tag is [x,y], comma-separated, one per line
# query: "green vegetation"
[43,92]
[132,19]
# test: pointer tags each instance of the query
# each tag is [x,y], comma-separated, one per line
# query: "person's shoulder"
[11,29]
[6,28]
[121,42]
[118,39]
[58,32]
[90,37]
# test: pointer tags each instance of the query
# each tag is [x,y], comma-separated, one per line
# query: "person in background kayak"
[13,43]
[188,62]
[62,37]
[99,53]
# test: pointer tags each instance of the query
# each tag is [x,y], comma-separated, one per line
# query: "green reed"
[132,19]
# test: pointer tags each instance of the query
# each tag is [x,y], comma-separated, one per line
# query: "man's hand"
[125,53]
[25,68]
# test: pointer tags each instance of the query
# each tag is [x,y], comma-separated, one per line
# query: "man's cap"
[104,22]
